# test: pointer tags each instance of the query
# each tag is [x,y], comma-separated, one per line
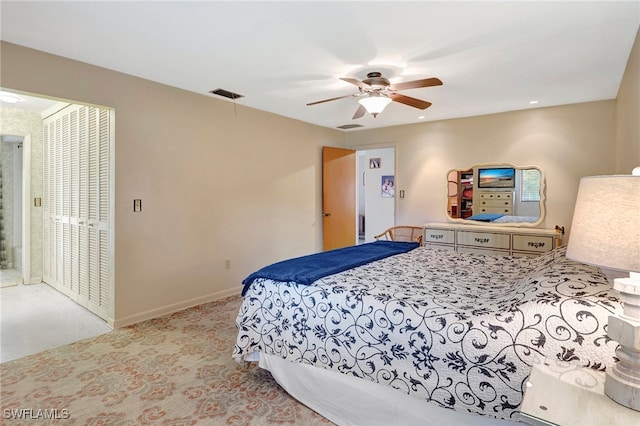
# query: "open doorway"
[24,306]
[21,132]
[11,208]
[65,198]
[376,195]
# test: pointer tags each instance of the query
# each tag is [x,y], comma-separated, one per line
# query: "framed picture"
[388,189]
[374,163]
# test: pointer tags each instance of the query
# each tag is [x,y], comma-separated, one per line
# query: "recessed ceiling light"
[421,117]
[533,102]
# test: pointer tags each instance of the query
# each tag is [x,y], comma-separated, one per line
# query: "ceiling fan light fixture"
[374,104]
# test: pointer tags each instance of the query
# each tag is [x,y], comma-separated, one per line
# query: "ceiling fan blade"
[427,82]
[416,103]
[327,100]
[359,112]
[360,84]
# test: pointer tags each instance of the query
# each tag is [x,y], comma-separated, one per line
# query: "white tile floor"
[10,277]
[35,317]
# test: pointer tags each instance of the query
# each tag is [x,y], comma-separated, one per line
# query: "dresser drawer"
[484,239]
[496,203]
[483,196]
[443,236]
[532,243]
[449,247]
[496,210]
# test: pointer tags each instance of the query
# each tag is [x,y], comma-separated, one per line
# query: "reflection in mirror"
[496,194]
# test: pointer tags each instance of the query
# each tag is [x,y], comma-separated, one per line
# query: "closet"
[76,206]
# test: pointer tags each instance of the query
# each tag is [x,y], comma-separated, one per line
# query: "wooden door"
[338,197]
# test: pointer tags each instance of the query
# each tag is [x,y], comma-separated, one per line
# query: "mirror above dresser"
[500,194]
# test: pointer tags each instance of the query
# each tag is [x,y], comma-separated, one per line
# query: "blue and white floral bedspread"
[455,329]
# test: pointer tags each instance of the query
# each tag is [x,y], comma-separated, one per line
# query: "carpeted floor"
[175,370]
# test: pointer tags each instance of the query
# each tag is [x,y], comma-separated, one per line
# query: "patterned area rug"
[175,370]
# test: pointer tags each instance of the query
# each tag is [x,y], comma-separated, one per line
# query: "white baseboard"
[169,309]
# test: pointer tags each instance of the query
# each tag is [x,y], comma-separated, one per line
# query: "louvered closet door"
[76,202]
[95,233]
[55,128]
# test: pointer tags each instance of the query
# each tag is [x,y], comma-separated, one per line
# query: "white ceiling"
[491,56]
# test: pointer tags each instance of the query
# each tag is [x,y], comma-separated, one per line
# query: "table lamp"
[605,232]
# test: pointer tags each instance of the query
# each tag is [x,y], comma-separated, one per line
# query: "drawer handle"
[535,244]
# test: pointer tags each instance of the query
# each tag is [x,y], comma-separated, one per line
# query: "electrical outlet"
[227,264]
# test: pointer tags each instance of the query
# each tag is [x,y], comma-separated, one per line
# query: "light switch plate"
[137,205]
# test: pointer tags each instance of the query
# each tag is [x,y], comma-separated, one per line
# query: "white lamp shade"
[375,104]
[605,230]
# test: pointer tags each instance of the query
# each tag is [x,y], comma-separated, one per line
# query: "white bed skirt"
[347,400]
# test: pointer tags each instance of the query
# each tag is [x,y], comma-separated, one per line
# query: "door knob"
[326,214]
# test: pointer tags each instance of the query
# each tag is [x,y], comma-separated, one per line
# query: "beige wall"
[217,181]
[628,113]
[567,142]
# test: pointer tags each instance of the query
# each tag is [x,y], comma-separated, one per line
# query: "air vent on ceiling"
[350,126]
[226,94]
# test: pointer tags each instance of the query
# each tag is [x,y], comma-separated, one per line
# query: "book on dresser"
[499,240]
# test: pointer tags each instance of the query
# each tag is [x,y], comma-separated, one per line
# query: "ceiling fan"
[376,92]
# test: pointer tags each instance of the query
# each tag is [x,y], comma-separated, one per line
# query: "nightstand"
[560,393]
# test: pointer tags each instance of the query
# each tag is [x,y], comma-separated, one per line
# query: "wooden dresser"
[487,239]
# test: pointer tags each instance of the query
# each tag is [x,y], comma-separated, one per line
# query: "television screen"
[497,178]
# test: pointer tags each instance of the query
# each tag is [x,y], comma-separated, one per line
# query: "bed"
[503,218]
[450,334]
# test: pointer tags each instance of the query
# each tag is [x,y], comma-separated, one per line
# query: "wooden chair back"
[402,233]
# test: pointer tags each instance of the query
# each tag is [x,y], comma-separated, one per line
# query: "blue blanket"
[307,269]
[485,217]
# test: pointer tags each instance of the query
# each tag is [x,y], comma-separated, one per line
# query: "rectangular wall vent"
[226,94]
[350,126]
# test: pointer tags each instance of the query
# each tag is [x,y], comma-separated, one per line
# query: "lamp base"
[622,388]
[622,382]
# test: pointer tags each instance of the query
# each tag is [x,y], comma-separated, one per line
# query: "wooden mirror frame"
[475,190]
